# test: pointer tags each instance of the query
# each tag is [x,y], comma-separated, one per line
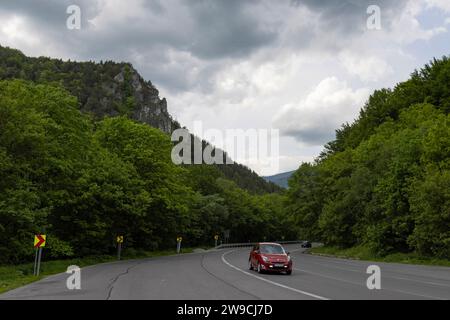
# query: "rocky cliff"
[146,107]
[103,89]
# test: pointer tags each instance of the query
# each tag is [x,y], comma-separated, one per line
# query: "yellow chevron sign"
[40,240]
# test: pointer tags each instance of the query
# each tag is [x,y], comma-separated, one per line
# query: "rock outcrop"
[103,89]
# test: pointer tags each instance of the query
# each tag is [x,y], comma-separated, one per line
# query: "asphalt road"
[223,275]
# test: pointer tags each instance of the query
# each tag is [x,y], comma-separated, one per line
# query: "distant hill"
[280,179]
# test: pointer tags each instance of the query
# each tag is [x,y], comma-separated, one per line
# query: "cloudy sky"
[303,67]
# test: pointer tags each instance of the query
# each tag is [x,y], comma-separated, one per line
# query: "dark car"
[270,257]
[306,244]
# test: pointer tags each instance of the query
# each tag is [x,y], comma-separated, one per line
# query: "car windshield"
[272,249]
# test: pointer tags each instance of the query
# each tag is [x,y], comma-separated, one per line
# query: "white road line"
[419,281]
[334,267]
[332,278]
[386,277]
[296,250]
[360,285]
[269,281]
[385,289]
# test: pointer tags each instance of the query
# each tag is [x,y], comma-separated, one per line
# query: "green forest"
[83,182]
[84,177]
[100,92]
[384,182]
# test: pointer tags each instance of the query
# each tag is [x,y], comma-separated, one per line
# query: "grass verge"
[363,253]
[14,276]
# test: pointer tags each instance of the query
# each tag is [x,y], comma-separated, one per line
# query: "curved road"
[223,275]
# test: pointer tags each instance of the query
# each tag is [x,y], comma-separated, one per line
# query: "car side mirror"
[288,253]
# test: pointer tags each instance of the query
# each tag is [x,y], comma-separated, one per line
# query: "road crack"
[115,279]
[202,264]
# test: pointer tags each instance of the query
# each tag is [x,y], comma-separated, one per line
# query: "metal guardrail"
[251,244]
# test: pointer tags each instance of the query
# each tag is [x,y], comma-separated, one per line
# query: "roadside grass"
[364,253]
[15,276]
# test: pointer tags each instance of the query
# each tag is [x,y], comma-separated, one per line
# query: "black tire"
[289,272]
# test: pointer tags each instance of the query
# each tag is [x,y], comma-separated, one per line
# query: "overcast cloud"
[301,66]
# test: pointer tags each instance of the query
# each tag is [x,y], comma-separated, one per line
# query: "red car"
[270,257]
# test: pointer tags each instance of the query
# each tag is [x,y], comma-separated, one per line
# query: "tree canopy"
[384,182]
[83,182]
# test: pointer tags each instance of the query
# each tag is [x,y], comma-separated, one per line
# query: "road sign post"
[179,239]
[35,261]
[119,246]
[119,251]
[39,262]
[39,243]
[216,237]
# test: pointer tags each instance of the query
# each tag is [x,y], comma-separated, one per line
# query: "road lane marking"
[329,277]
[386,277]
[269,281]
[360,285]
[296,250]
[419,281]
[308,258]
[202,264]
[357,263]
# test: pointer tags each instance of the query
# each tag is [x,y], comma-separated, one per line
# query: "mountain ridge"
[280,179]
[103,89]
[110,89]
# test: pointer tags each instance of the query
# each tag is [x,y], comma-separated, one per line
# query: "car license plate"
[279,265]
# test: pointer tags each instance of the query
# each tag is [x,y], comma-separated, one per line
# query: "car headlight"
[265,259]
[289,258]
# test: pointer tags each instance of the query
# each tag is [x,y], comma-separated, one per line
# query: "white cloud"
[365,66]
[440,4]
[14,31]
[238,73]
[406,29]
[313,120]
